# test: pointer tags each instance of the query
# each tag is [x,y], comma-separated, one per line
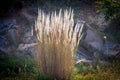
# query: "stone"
[83,61]
[25,46]
[93,39]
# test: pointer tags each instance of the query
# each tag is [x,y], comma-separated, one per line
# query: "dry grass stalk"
[57,43]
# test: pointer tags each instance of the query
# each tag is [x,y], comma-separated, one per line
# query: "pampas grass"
[58,40]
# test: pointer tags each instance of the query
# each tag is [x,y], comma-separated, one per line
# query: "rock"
[13,37]
[3,41]
[28,50]
[98,22]
[28,34]
[8,36]
[93,39]
[83,61]
[25,14]
[5,25]
[22,47]
[3,50]
[111,49]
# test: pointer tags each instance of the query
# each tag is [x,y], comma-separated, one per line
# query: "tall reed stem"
[58,40]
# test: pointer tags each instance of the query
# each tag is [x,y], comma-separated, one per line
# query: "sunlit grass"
[97,71]
[58,42]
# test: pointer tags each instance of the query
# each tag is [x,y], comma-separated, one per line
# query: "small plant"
[110,8]
[16,68]
[58,42]
[97,71]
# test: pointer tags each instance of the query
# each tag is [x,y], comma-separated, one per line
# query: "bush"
[57,43]
[12,68]
[110,8]
[98,71]
[16,68]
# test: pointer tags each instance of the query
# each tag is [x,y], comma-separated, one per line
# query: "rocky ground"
[94,40]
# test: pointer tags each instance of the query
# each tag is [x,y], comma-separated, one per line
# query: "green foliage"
[116,66]
[110,8]
[98,76]
[85,69]
[16,68]
[97,71]
[11,66]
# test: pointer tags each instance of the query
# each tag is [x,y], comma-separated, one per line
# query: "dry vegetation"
[58,40]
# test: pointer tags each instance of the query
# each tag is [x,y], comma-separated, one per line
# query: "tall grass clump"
[58,40]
